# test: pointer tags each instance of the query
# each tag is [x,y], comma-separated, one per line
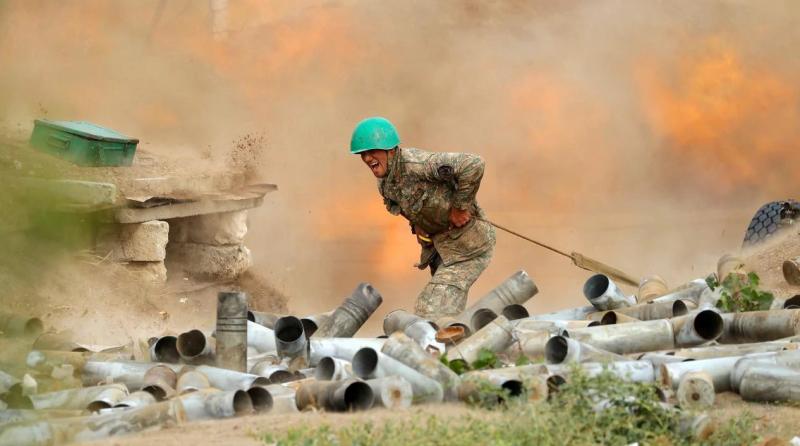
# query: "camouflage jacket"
[422,186]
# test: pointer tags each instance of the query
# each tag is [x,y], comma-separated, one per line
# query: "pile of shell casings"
[55,391]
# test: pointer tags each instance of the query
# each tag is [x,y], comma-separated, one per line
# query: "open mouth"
[373,165]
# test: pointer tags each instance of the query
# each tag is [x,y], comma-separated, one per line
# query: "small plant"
[487,359]
[587,410]
[741,293]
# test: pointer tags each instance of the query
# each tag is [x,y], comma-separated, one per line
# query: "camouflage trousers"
[446,293]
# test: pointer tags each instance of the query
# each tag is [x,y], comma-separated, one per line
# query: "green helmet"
[374,133]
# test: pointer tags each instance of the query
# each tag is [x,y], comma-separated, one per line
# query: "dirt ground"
[772,421]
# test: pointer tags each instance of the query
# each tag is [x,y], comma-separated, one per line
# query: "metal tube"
[633,371]
[160,381]
[71,398]
[261,338]
[791,271]
[342,348]
[560,349]
[211,403]
[291,342]
[369,364]
[333,369]
[283,399]
[719,369]
[275,373]
[419,329]
[651,287]
[530,380]
[788,304]
[404,349]
[697,328]
[785,358]
[555,326]
[136,399]
[232,331]
[194,344]
[473,387]
[131,374]
[263,318]
[572,314]
[515,312]
[717,351]
[398,320]
[688,291]
[496,337]
[604,294]
[338,396]
[517,289]
[529,343]
[657,358]
[392,392]
[165,349]
[628,338]
[770,383]
[352,313]
[95,427]
[757,326]
[226,379]
[424,334]
[191,381]
[480,318]
[260,398]
[696,391]
[16,325]
[107,399]
[613,317]
[312,322]
[656,310]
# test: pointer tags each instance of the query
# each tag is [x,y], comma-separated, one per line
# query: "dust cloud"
[641,133]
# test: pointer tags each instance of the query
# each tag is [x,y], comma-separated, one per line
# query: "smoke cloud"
[641,133]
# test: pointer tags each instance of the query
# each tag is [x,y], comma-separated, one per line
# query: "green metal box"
[83,143]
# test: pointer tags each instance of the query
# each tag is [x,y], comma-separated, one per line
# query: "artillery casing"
[231,332]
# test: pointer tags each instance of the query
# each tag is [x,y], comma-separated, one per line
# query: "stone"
[137,242]
[208,262]
[154,272]
[223,228]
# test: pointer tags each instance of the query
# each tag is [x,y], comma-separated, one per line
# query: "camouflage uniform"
[423,186]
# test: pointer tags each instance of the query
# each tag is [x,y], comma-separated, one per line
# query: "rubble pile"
[57,391]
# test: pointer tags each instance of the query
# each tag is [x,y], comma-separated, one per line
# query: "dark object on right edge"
[770,219]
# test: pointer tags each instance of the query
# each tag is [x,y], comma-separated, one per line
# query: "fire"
[725,114]
[394,248]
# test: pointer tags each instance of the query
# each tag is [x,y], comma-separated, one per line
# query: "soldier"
[435,192]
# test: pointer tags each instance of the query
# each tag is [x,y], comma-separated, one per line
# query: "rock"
[137,242]
[209,262]
[155,272]
[224,228]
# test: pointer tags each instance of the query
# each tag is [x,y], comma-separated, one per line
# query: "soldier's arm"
[463,170]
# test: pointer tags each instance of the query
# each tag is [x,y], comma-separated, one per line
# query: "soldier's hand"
[459,218]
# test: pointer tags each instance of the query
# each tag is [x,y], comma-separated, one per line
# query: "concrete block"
[138,242]
[208,262]
[155,272]
[223,228]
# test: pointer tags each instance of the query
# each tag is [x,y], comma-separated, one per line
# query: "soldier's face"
[377,161]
